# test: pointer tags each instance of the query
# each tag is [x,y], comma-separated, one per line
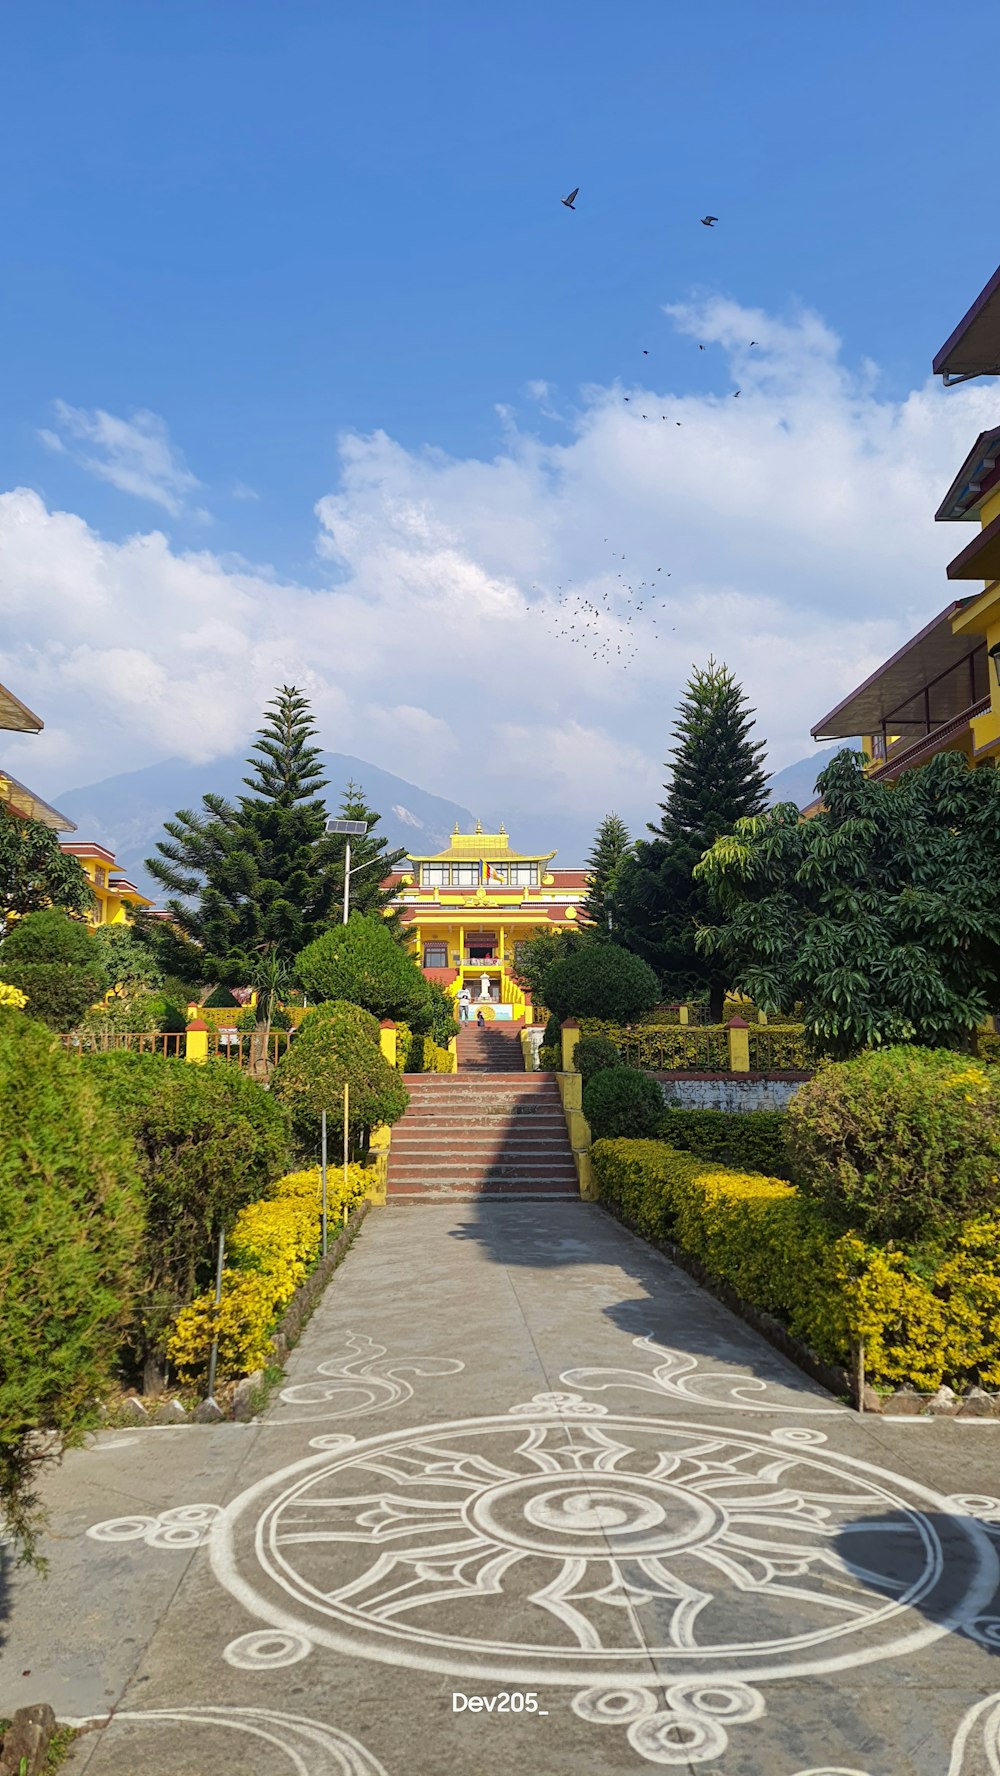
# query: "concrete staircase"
[489,1130]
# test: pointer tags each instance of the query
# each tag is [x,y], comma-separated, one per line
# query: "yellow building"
[470,907]
[16,797]
[116,899]
[940,692]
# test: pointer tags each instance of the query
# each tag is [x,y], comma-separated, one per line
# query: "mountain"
[126,812]
[797,783]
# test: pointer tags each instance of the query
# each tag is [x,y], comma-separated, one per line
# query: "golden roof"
[16,715]
[24,801]
[471,847]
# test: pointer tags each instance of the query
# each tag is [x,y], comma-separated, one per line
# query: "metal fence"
[169,1043]
[236,1046]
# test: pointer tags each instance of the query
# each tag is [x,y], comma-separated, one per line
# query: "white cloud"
[790,533]
[135,454]
[240,491]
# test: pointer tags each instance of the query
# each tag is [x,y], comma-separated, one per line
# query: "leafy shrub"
[128,961]
[427,1056]
[337,1042]
[247,1020]
[553,1033]
[622,1101]
[208,1140]
[70,1225]
[594,1054]
[549,1059]
[988,1045]
[667,1048]
[56,961]
[272,1248]
[362,963]
[923,1318]
[138,1011]
[898,1143]
[779,1048]
[601,980]
[439,1023]
[221,999]
[750,1140]
[12,998]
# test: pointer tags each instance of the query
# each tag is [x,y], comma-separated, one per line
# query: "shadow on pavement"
[944,1566]
[668,1305]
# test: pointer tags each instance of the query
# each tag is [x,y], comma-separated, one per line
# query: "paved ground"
[521,1457]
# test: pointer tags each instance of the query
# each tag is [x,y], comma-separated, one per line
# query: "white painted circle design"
[267,1650]
[604,1554]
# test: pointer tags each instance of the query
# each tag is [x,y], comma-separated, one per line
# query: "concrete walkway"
[521,1458]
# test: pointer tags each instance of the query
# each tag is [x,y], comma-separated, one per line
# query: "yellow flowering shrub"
[924,1317]
[12,998]
[273,1246]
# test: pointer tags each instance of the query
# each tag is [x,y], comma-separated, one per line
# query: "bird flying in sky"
[706,221]
[570,200]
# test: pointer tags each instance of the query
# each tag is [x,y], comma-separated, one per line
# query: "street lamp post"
[349,829]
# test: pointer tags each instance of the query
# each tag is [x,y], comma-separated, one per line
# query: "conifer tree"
[254,881]
[717,778]
[611,847]
[370,862]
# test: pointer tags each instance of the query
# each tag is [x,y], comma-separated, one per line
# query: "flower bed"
[922,1318]
[273,1246]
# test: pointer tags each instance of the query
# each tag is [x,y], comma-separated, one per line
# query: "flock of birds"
[599,623]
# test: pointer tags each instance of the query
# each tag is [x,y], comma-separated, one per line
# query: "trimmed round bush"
[362,963]
[898,1143]
[70,1230]
[601,981]
[57,962]
[622,1103]
[208,1140]
[549,1059]
[337,1042]
[593,1055]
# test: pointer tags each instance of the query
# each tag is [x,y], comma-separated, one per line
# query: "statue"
[484,986]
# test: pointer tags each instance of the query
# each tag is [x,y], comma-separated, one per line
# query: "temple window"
[436,955]
[522,875]
[465,875]
[100,876]
[434,875]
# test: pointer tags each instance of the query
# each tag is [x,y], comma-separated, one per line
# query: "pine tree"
[611,847]
[717,778]
[254,881]
[370,862]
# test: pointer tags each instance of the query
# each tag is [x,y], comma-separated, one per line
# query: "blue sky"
[275,228]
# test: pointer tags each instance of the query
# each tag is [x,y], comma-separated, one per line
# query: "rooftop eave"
[977,479]
[29,806]
[15,716]
[980,559]
[973,349]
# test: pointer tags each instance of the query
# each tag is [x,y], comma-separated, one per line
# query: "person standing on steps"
[464,1005]
[481,1019]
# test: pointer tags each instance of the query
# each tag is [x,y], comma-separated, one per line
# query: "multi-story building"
[115,897]
[468,909]
[941,691]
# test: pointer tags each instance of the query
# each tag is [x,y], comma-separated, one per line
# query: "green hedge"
[988,1045]
[924,1317]
[750,1140]
[689,1048]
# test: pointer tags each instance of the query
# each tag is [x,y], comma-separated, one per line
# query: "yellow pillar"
[739,1045]
[682,1014]
[387,1040]
[196,1045]
[461,950]
[570,1038]
[420,947]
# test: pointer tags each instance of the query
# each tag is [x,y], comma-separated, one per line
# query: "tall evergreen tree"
[612,846]
[254,882]
[371,862]
[717,778]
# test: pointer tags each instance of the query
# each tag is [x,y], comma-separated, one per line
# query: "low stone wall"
[289,1327]
[729,1091]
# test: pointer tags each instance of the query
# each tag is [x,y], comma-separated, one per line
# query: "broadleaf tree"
[36,873]
[717,778]
[880,915]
